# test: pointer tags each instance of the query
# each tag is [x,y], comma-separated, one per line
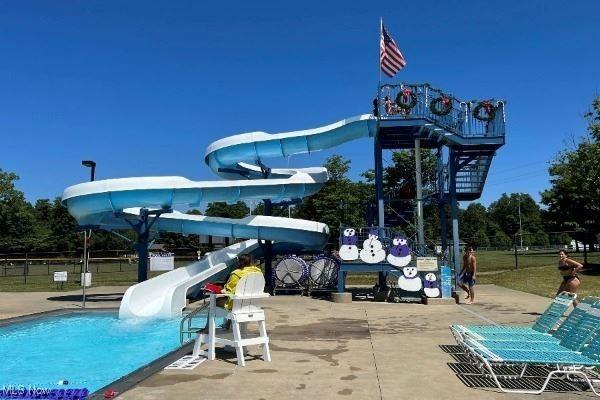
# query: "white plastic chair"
[245,310]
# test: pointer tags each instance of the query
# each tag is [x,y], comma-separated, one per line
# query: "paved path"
[14,304]
[362,350]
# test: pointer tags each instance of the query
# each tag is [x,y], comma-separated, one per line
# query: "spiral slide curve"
[108,204]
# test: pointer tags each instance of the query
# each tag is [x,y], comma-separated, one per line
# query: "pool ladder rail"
[190,330]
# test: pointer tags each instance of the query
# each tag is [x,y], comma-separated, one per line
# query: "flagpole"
[379,64]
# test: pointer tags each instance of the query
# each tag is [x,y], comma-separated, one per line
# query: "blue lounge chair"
[571,323]
[543,325]
[573,356]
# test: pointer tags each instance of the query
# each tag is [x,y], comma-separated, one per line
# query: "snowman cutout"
[431,285]
[399,253]
[349,250]
[372,251]
[410,280]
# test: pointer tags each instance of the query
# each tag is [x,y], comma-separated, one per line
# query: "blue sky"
[143,87]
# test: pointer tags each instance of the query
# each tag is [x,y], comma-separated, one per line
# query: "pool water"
[89,350]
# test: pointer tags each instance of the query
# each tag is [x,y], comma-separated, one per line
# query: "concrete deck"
[324,350]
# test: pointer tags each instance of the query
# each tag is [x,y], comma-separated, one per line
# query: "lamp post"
[90,164]
[87,234]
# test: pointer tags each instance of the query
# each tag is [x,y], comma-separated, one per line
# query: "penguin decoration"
[349,250]
[399,252]
[372,251]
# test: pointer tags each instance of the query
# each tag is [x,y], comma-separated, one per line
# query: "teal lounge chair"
[543,325]
[574,356]
[565,330]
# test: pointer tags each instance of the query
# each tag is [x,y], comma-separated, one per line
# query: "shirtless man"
[468,275]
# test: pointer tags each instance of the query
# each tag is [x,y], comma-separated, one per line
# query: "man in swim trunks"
[468,275]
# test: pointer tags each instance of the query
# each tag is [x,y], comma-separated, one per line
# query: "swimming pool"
[87,350]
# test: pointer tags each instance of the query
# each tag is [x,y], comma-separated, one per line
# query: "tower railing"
[458,116]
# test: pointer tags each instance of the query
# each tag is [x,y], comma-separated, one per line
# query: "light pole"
[87,234]
[90,164]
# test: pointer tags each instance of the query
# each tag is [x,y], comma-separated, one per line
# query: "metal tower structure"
[466,135]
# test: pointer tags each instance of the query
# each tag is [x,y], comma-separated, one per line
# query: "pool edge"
[56,312]
[134,378]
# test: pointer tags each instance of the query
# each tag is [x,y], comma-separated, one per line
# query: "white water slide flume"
[239,159]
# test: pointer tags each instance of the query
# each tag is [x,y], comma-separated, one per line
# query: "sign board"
[427,264]
[86,278]
[162,261]
[60,276]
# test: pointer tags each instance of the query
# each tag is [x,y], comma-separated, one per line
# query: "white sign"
[162,261]
[427,264]
[86,278]
[60,276]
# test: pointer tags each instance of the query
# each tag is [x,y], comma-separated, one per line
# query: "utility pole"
[520,222]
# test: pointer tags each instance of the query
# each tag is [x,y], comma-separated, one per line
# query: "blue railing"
[458,118]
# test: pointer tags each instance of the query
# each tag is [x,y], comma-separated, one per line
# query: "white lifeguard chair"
[245,310]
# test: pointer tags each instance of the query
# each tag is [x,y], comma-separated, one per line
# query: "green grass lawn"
[503,260]
[543,281]
[40,277]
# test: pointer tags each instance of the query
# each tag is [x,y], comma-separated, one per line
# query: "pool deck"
[324,350]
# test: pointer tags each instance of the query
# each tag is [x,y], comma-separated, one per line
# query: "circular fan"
[324,271]
[291,271]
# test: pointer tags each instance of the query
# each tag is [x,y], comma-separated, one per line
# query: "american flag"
[390,57]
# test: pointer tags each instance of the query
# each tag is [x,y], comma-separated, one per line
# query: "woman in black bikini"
[568,269]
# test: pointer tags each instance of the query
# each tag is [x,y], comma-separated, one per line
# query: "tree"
[340,202]
[402,170]
[63,228]
[505,213]
[176,241]
[17,220]
[399,184]
[480,238]
[220,209]
[473,220]
[573,201]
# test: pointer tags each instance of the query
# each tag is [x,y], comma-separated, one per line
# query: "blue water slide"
[240,159]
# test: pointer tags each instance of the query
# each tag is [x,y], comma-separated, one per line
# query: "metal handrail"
[188,318]
[459,120]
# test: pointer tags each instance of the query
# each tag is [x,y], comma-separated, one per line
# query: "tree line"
[571,205]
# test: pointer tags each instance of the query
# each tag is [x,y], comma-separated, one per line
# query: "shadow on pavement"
[473,377]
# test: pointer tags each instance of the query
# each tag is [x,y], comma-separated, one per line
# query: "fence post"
[26,267]
[516,252]
[586,238]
